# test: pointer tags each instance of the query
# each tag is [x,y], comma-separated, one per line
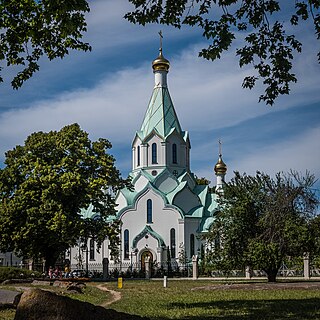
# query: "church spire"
[160,144]
[160,116]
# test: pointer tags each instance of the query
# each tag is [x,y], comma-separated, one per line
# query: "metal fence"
[158,270]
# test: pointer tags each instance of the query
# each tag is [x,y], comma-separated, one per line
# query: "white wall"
[164,218]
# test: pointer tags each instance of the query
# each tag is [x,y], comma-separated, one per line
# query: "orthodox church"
[167,209]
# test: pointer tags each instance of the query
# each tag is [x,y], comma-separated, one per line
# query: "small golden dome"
[220,167]
[160,63]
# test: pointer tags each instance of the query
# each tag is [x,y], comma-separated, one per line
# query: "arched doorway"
[144,255]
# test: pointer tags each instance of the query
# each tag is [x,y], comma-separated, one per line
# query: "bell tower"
[161,143]
[220,170]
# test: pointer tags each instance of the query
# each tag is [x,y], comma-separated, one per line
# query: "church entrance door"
[144,255]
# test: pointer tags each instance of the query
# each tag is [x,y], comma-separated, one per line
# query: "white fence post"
[306,266]
[195,267]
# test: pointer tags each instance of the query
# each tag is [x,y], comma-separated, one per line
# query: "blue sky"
[107,91]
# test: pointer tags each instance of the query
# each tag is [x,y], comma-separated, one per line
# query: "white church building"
[167,209]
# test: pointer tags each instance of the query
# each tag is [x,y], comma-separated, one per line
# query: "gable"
[148,231]
[189,179]
[140,183]
[166,182]
[186,200]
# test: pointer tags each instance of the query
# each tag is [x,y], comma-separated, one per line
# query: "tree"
[268,46]
[30,29]
[262,221]
[43,187]
[202,181]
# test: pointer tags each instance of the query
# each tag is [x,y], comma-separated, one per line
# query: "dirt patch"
[263,286]
[115,295]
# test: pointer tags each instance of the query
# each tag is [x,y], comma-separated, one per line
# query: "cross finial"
[220,147]
[161,37]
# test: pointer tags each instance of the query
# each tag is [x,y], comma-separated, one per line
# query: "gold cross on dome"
[220,146]
[161,37]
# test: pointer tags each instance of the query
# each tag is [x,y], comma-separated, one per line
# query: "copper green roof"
[160,116]
[145,231]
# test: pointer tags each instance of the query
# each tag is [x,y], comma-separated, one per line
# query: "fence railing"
[158,270]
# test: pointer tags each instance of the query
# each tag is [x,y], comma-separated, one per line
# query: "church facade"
[167,211]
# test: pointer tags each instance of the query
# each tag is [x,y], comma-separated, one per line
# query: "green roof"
[148,230]
[160,115]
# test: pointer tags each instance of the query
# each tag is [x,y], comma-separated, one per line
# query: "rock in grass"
[38,304]
[9,299]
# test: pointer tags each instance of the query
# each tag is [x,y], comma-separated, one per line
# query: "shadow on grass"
[297,309]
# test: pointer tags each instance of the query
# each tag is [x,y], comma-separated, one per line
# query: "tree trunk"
[272,275]
[50,263]
[51,258]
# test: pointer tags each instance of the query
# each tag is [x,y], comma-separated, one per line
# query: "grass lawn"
[193,300]
[179,301]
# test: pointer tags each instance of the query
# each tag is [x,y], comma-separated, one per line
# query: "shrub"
[17,273]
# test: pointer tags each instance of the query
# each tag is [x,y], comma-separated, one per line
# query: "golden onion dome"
[220,167]
[160,63]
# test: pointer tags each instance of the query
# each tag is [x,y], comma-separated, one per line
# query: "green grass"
[7,314]
[92,295]
[179,301]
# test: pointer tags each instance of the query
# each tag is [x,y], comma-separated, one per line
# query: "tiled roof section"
[160,115]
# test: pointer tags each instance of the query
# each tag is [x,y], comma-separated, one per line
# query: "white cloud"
[111,109]
[300,153]
[207,95]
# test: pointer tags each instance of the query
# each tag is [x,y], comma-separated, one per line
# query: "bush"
[17,273]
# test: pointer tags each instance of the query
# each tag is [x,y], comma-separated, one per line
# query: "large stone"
[41,283]
[38,304]
[9,299]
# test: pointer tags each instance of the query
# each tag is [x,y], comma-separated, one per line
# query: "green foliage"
[30,29]
[263,221]
[314,232]
[7,273]
[202,181]
[44,186]
[268,46]
[7,314]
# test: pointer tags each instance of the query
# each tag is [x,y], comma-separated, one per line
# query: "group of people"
[56,273]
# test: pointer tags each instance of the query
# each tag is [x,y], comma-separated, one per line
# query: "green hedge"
[17,273]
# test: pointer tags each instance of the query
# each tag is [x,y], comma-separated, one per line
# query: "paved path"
[8,296]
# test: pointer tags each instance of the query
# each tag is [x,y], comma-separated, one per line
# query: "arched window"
[149,211]
[154,153]
[126,244]
[174,153]
[138,156]
[173,242]
[191,245]
[91,249]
